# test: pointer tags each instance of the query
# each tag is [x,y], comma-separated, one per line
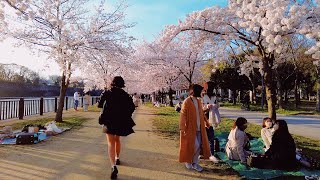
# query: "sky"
[150,16]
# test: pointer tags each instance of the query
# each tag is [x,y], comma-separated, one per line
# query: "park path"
[81,154]
[303,125]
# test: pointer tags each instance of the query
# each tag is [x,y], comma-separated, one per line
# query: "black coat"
[117,111]
[282,151]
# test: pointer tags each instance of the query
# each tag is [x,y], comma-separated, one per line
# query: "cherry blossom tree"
[262,25]
[65,30]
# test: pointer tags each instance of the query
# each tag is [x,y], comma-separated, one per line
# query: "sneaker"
[117,161]
[214,159]
[188,165]
[197,167]
[114,172]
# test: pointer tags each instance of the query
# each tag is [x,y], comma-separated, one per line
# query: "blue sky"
[151,17]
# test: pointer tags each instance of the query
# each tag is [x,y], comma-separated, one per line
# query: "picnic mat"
[41,136]
[254,173]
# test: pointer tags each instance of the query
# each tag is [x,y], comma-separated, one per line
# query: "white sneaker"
[188,165]
[197,167]
[214,159]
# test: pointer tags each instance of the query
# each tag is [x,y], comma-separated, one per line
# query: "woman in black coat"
[116,117]
[282,152]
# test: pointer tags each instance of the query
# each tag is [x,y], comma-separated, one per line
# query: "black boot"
[117,161]
[114,172]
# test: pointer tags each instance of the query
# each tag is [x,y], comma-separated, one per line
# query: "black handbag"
[216,145]
[26,138]
[256,161]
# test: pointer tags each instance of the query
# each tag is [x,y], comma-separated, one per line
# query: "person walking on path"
[193,137]
[116,117]
[210,107]
[76,100]
[86,101]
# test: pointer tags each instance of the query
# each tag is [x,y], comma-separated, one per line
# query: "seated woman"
[237,140]
[282,151]
[267,132]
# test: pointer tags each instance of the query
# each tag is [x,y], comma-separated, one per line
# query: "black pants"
[210,134]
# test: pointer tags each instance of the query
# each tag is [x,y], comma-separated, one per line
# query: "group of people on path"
[86,101]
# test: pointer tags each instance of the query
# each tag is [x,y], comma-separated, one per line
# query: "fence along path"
[19,107]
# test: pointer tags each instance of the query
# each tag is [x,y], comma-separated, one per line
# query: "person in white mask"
[267,132]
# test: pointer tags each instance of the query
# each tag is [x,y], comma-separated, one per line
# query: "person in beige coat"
[193,136]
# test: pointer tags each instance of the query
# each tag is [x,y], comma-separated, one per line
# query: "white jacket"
[237,139]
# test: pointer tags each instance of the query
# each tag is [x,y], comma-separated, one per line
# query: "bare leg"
[111,148]
[118,146]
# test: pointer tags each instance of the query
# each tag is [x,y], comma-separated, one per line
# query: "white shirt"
[266,135]
[195,102]
[214,115]
[207,100]
[76,96]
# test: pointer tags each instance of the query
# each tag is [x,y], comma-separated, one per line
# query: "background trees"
[262,25]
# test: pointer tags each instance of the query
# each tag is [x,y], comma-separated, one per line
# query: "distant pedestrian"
[142,98]
[116,117]
[193,136]
[135,99]
[76,100]
[86,101]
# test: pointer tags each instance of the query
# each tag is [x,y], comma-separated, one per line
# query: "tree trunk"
[254,96]
[318,92]
[286,99]
[296,95]
[280,92]
[270,87]
[63,91]
[170,97]
[234,97]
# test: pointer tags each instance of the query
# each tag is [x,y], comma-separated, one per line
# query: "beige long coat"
[188,123]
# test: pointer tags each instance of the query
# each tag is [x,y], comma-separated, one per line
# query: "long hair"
[117,82]
[210,89]
[283,127]
[239,122]
[196,88]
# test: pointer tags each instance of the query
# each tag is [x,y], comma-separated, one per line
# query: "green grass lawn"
[167,123]
[68,122]
[288,111]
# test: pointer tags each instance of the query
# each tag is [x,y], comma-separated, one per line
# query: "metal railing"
[20,107]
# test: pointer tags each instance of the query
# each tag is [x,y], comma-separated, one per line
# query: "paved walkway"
[304,125]
[81,154]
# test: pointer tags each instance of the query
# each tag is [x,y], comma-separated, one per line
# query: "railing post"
[21,108]
[66,103]
[82,101]
[55,104]
[41,106]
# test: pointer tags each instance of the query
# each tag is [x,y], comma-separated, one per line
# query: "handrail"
[20,107]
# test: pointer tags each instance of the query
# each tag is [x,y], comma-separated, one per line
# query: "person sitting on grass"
[282,151]
[237,140]
[267,132]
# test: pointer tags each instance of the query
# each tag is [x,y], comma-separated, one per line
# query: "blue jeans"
[210,134]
